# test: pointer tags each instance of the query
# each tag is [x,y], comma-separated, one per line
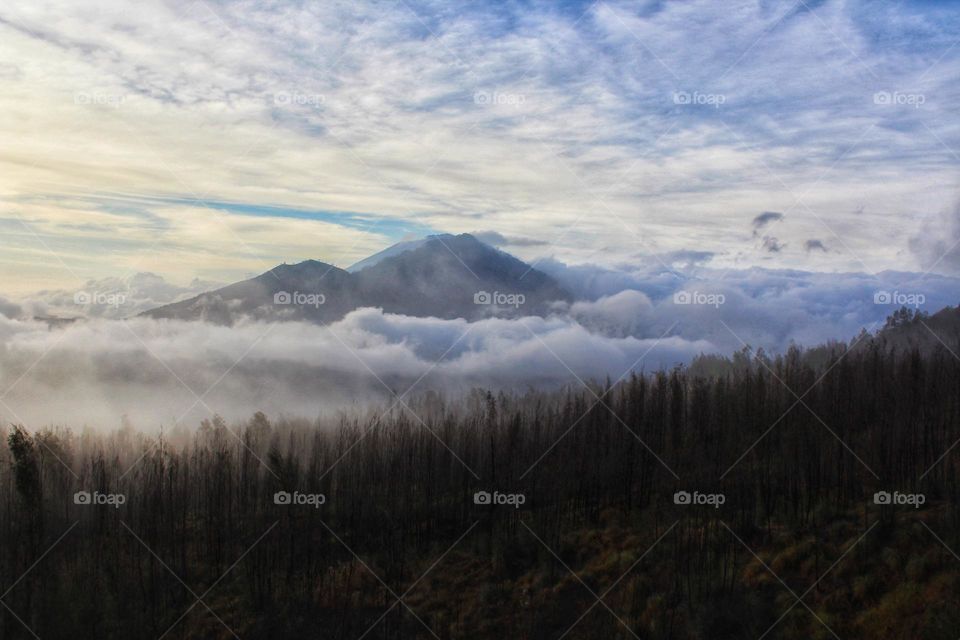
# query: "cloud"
[684,258]
[518,117]
[937,242]
[764,219]
[592,281]
[622,314]
[767,308]
[94,371]
[153,372]
[113,297]
[769,244]
[772,244]
[814,245]
[10,309]
[500,240]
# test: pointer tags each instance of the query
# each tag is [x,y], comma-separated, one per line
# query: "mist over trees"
[374,524]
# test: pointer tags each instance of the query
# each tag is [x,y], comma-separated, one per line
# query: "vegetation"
[797,445]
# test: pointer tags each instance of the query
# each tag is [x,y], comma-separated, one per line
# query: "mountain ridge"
[445,276]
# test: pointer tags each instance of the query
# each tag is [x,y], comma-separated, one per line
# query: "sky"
[212,140]
[701,176]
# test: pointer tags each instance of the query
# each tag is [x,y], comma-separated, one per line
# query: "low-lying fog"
[95,371]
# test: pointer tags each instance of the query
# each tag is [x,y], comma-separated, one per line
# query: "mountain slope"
[389,252]
[263,297]
[442,276]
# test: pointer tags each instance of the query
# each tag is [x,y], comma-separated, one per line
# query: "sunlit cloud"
[610,127]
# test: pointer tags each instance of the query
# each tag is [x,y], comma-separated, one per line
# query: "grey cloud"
[772,244]
[687,257]
[761,222]
[10,309]
[814,245]
[766,218]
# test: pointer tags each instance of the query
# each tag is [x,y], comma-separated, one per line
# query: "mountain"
[389,252]
[270,296]
[443,276]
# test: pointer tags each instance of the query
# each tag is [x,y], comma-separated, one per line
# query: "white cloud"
[370,108]
[97,370]
[111,297]
[762,307]
[937,244]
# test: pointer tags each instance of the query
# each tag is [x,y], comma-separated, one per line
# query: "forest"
[809,494]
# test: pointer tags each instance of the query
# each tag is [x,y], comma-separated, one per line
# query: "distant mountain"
[443,276]
[270,296]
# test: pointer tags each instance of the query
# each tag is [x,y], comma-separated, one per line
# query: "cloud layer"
[645,317]
[216,139]
[162,372]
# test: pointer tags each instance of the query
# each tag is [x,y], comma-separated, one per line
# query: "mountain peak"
[439,275]
[304,266]
[410,245]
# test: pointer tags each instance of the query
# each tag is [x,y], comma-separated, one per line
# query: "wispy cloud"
[621,122]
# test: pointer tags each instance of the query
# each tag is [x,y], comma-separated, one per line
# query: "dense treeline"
[797,445]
